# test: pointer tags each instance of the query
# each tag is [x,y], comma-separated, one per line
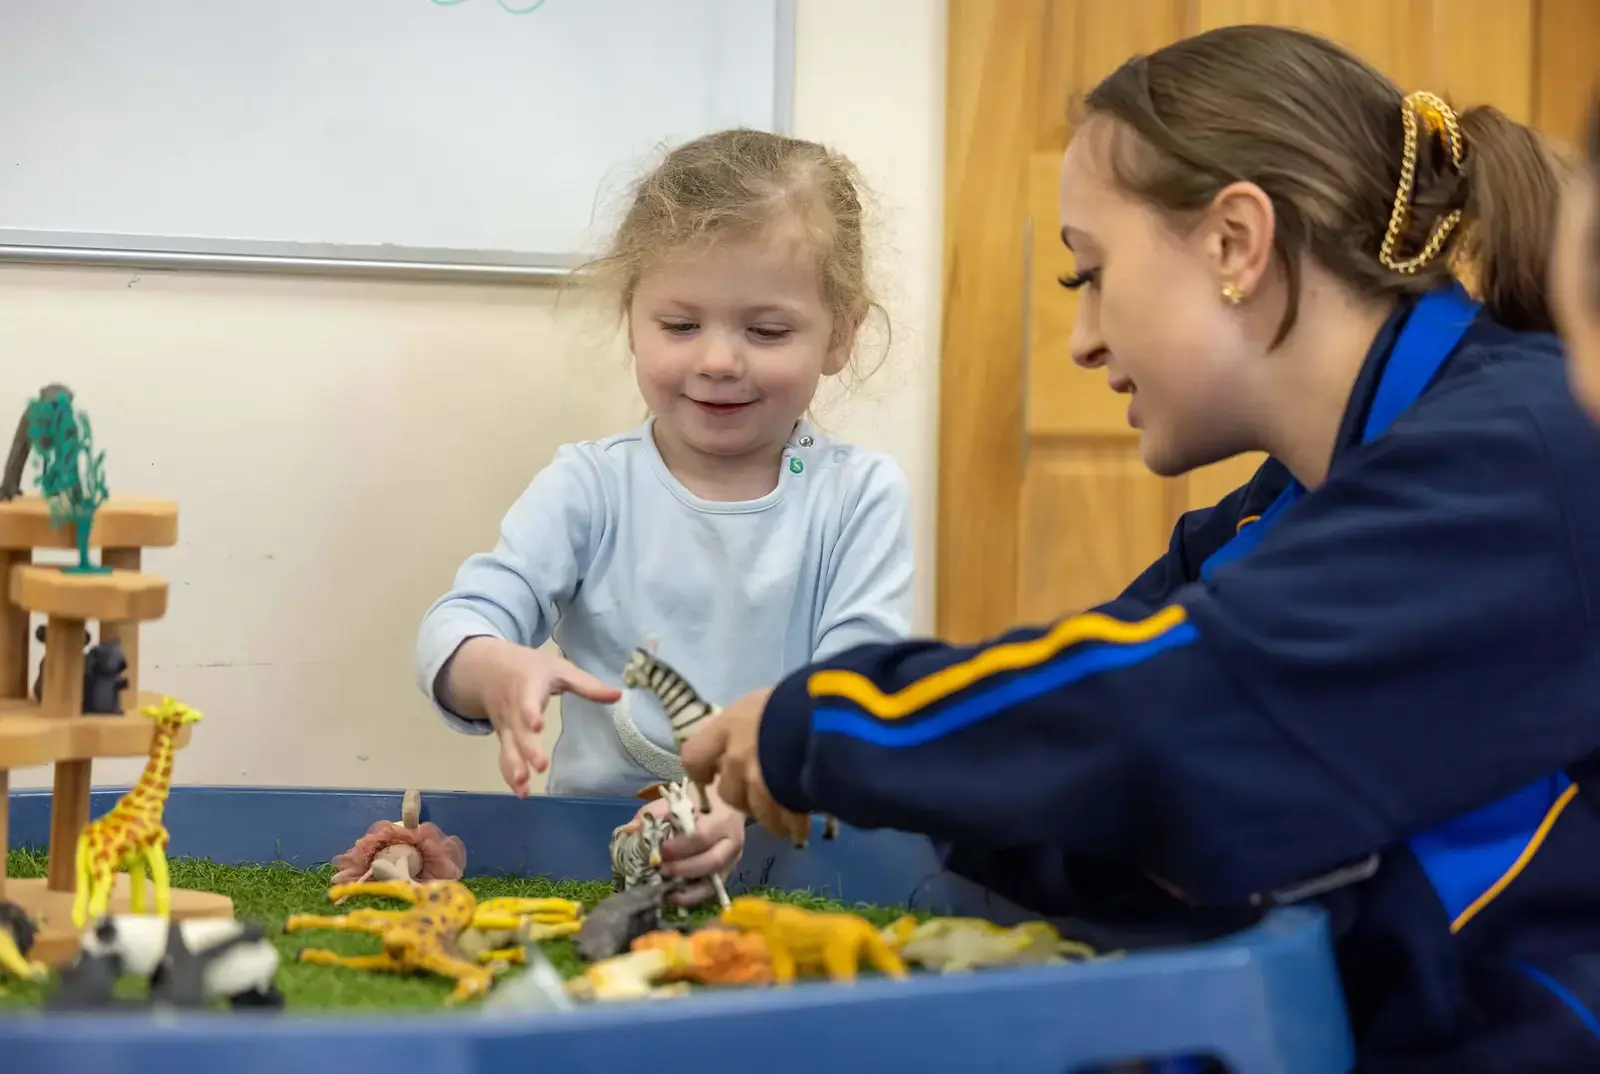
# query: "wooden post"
[63,698]
[5,826]
[69,812]
[63,667]
[13,628]
[127,632]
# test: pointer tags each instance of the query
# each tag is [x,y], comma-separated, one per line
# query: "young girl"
[726,526]
[1370,677]
[1575,272]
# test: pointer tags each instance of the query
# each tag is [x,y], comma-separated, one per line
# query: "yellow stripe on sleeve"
[1522,861]
[1012,656]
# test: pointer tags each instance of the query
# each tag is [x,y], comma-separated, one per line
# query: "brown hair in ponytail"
[1324,135]
[1513,193]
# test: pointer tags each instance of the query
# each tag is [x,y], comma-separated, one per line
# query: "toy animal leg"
[722,891]
[839,958]
[380,963]
[541,931]
[255,998]
[470,980]
[85,881]
[505,954]
[544,911]
[136,887]
[830,827]
[782,963]
[394,889]
[882,957]
[376,922]
[100,895]
[160,878]
[12,962]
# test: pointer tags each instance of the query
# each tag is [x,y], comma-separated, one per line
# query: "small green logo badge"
[796,466]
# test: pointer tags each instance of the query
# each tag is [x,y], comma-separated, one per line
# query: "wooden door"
[1044,506]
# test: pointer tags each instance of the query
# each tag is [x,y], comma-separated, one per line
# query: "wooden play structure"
[54,730]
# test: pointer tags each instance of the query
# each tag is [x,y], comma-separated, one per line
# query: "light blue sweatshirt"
[606,548]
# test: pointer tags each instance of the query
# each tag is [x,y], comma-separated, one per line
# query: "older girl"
[1371,676]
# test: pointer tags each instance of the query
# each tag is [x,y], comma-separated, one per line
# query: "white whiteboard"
[408,134]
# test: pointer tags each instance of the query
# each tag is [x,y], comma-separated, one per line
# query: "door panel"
[1090,513]
[1044,506]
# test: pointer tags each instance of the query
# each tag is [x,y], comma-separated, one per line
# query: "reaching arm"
[868,577]
[1393,654]
[515,591]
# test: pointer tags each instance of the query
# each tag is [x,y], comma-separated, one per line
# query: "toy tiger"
[685,708]
[636,856]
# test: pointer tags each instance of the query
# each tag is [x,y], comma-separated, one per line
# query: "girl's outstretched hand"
[724,752]
[515,683]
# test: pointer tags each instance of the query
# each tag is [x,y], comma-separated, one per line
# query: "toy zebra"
[636,856]
[684,708]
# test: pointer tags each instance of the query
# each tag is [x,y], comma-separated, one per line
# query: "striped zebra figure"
[636,856]
[684,708]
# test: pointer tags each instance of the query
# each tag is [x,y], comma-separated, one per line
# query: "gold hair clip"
[1440,120]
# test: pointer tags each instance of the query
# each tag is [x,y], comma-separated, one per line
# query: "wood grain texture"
[991,90]
[1042,503]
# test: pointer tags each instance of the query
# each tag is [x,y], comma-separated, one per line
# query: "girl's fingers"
[572,678]
[530,708]
[718,858]
[693,895]
[677,847]
[512,767]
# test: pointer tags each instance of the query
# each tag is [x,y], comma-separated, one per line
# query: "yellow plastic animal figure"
[17,931]
[628,976]
[713,956]
[809,941]
[426,937]
[131,836]
[959,944]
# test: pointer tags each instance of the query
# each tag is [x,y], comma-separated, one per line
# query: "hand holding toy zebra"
[725,751]
[688,713]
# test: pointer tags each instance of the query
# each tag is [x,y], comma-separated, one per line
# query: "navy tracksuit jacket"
[1404,662]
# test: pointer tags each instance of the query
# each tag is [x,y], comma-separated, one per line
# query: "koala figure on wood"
[105,669]
[39,635]
[104,678]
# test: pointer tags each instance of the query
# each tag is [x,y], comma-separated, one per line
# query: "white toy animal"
[681,812]
[235,960]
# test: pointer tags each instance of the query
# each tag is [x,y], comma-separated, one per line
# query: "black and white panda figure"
[201,960]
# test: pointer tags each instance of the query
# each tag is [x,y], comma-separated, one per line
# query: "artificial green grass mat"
[268,894]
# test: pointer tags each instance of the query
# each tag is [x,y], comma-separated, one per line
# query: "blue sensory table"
[1262,1001]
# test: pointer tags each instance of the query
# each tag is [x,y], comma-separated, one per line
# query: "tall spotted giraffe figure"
[131,836]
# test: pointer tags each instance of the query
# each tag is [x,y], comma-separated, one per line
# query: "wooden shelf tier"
[57,941]
[117,596]
[121,522]
[29,739]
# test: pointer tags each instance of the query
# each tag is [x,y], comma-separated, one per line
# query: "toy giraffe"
[131,836]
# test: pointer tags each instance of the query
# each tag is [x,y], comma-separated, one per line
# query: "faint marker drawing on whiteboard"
[507,8]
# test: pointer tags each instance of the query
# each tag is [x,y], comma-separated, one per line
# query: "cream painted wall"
[336,447]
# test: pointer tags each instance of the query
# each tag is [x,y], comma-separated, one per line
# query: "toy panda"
[201,960]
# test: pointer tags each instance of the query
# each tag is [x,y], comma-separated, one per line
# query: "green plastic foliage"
[71,474]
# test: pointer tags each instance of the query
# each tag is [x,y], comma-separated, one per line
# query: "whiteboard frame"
[322,259]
